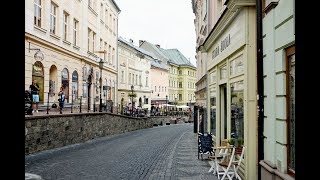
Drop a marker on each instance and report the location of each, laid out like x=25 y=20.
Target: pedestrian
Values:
x=61 y=99
x=35 y=89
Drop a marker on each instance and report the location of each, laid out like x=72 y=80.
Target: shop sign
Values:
x=37 y=70
x=64 y=74
x=223 y=45
x=75 y=76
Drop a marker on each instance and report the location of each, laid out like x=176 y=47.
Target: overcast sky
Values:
x=168 y=23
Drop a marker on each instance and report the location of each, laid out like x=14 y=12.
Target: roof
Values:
x=176 y=57
x=135 y=47
x=115 y=4
x=155 y=61
x=155 y=51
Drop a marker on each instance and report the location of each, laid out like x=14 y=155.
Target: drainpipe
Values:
x=260 y=85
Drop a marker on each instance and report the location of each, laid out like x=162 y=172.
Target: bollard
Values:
x=71 y=102
x=48 y=104
x=80 y=103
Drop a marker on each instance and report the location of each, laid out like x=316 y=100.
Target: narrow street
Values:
x=164 y=152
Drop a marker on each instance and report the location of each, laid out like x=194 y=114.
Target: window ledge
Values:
x=40 y=29
x=76 y=47
x=101 y=21
x=93 y=11
x=54 y=36
x=66 y=42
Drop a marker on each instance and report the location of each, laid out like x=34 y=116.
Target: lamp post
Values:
x=101 y=67
x=132 y=87
x=166 y=105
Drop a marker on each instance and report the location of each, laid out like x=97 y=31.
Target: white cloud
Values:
x=165 y=22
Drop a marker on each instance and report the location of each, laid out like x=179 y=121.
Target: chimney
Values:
x=158 y=46
x=131 y=41
x=140 y=42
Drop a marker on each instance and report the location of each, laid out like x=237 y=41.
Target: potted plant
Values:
x=232 y=141
x=239 y=145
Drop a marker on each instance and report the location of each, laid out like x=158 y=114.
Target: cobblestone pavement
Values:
x=163 y=152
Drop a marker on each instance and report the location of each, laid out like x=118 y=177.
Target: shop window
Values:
x=38 y=74
x=75 y=85
x=65 y=83
x=290 y=69
x=237 y=109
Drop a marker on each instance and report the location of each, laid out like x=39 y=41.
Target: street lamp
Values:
x=132 y=87
x=166 y=105
x=101 y=67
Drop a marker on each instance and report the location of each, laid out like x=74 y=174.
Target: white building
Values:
x=64 y=41
x=134 y=72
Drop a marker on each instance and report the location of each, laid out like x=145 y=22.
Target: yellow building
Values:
x=182 y=78
x=64 y=43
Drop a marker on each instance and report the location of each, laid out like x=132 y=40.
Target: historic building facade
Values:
x=229 y=50
x=278 y=32
x=64 y=43
x=181 y=78
x=134 y=75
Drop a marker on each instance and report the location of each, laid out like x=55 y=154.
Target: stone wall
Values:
x=53 y=131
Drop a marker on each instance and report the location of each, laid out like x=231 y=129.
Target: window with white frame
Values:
x=113 y=56
x=105 y=48
x=89 y=34
x=106 y=17
x=129 y=78
x=93 y=41
x=37 y=13
x=53 y=18
x=65 y=25
x=109 y=54
x=101 y=11
x=75 y=32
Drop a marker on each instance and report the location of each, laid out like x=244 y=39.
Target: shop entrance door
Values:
x=223 y=112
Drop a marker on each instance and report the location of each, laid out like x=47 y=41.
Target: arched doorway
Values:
x=75 y=85
x=38 y=74
x=52 y=83
x=65 y=83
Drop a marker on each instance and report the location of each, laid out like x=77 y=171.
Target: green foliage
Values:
x=240 y=141
x=231 y=141
x=132 y=94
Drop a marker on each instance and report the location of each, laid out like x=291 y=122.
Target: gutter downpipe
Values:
x=260 y=87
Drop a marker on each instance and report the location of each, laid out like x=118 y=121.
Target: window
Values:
x=93 y=41
x=109 y=55
x=65 y=25
x=110 y=23
x=159 y=89
x=122 y=76
x=146 y=81
x=101 y=11
x=37 y=13
x=106 y=17
x=105 y=48
x=162 y=89
x=180 y=97
x=291 y=78
x=129 y=78
x=165 y=89
x=180 y=84
x=237 y=109
x=114 y=24
x=53 y=18
x=155 y=88
x=136 y=79
x=75 y=32
x=89 y=33
x=140 y=82
x=132 y=79
x=113 y=55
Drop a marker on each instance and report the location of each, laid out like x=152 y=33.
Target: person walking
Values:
x=35 y=89
x=61 y=99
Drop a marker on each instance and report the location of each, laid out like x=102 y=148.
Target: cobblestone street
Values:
x=164 y=152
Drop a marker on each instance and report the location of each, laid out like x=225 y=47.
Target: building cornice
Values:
x=204 y=77
x=200 y=90
x=60 y=49
x=226 y=18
